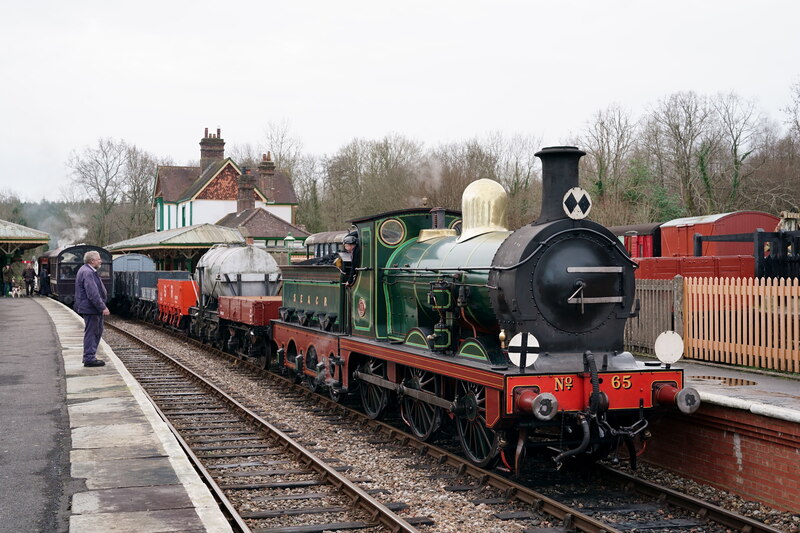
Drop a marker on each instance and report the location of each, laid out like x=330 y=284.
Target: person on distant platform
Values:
x=5 y=280
x=90 y=303
x=44 y=282
x=29 y=276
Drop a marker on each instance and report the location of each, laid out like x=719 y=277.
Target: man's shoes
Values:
x=95 y=362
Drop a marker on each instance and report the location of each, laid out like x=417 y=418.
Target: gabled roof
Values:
x=171 y=182
x=208 y=174
x=197 y=236
x=180 y=184
x=261 y=224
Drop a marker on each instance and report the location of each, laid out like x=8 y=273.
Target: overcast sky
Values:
x=156 y=73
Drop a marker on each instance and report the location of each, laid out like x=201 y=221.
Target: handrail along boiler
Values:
x=517 y=337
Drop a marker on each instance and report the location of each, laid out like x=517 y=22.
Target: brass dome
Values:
x=483 y=208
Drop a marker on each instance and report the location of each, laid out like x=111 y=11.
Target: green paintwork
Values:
x=314 y=288
x=417 y=339
x=370 y=283
x=408 y=289
x=473 y=350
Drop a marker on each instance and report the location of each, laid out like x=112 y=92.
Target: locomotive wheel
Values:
x=374 y=399
x=481 y=445
x=262 y=360
x=422 y=418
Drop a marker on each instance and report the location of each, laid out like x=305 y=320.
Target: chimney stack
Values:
x=266 y=174
x=245 y=199
x=212 y=148
x=559 y=174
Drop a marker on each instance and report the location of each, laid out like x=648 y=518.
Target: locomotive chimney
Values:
x=559 y=174
x=212 y=148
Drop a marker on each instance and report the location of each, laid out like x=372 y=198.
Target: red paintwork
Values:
x=327 y=343
x=639 y=245
x=500 y=388
x=250 y=310
x=734 y=266
x=574 y=396
x=175 y=297
x=678 y=241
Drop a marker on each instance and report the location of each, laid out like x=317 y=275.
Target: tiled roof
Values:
x=172 y=181
x=284 y=192
x=261 y=224
x=197 y=236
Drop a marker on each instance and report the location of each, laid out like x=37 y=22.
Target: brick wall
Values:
x=750 y=455
x=224 y=187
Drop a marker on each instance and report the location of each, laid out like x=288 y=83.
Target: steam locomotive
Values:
x=514 y=337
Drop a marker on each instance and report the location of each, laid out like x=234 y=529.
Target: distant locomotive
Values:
x=63 y=264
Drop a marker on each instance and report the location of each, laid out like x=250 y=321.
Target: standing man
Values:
x=29 y=275
x=5 y=280
x=90 y=303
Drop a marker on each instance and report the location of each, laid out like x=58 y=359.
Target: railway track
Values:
x=515 y=501
x=236 y=450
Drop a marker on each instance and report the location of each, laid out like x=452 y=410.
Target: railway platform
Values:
x=744 y=438
x=82 y=449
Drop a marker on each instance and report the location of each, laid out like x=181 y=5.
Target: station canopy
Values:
x=16 y=238
x=185 y=241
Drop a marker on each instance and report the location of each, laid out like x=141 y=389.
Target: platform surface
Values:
x=82 y=449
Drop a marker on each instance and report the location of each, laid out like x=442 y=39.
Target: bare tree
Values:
x=11 y=207
x=451 y=167
x=608 y=140
x=682 y=120
x=793 y=110
x=518 y=171
x=740 y=123
x=137 y=192
x=287 y=150
x=245 y=155
x=366 y=177
x=309 y=176
x=100 y=171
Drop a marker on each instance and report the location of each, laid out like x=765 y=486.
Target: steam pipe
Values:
x=581 y=447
